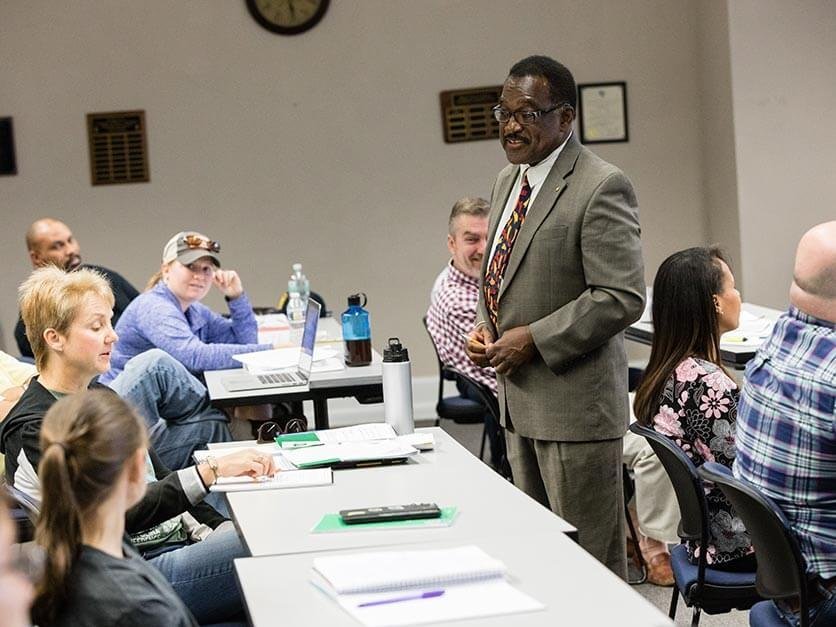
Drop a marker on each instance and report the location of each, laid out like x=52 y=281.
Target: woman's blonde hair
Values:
x=86 y=441
x=157 y=277
x=50 y=299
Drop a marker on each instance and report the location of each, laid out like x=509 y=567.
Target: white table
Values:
x=280 y=521
x=575 y=588
x=362 y=382
x=733 y=354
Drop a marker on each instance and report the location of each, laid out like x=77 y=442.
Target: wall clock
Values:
x=288 y=17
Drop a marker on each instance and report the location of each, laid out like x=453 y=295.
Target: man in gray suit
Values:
x=562 y=280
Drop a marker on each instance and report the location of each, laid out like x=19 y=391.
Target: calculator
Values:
x=390 y=512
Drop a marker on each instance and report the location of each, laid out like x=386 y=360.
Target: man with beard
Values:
x=562 y=279
x=453 y=301
x=50 y=241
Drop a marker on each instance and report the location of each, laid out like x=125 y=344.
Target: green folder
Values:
x=289 y=440
x=333 y=522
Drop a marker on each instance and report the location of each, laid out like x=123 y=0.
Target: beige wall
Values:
x=783 y=56
x=327 y=147
x=719 y=169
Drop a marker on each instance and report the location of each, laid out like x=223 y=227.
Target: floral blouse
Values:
x=698 y=410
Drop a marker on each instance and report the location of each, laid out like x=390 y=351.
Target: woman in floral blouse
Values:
x=686 y=393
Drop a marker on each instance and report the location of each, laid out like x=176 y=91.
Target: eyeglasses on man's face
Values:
x=524 y=118
x=196 y=241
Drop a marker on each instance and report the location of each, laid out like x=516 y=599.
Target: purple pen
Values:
x=412 y=597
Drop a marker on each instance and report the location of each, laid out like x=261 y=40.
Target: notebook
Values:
x=287 y=378
x=422 y=586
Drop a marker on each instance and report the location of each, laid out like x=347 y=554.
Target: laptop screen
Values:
x=309 y=338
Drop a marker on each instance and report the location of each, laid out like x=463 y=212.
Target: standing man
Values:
x=452 y=311
x=786 y=419
x=562 y=280
x=50 y=241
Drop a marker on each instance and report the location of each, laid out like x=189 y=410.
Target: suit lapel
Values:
x=552 y=187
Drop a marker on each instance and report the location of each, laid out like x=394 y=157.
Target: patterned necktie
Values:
x=496 y=269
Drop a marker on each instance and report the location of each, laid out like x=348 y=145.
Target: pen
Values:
x=411 y=597
x=734 y=340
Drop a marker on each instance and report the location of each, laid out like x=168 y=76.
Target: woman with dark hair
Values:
x=95 y=456
x=686 y=394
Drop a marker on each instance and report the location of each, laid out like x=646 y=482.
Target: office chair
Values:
x=629 y=491
x=456 y=408
x=24 y=512
x=701 y=587
x=782 y=570
x=490 y=401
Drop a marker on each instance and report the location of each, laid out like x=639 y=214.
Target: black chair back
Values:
x=24 y=511
x=486 y=395
x=782 y=570
x=457 y=409
x=686 y=482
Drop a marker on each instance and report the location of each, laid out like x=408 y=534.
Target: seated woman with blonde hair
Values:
x=92 y=471
x=67 y=317
x=170 y=316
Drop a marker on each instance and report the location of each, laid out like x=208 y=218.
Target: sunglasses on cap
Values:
x=191 y=241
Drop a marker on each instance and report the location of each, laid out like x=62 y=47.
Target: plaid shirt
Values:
x=453 y=312
x=786 y=431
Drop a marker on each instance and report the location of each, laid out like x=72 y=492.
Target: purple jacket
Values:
x=199 y=338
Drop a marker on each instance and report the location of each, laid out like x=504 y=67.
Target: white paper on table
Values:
x=467 y=600
x=751 y=330
x=357 y=433
x=281 y=358
x=349 y=452
x=295 y=479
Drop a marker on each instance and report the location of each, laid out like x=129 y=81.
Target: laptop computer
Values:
x=283 y=378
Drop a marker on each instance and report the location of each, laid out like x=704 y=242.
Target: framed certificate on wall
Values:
x=602 y=109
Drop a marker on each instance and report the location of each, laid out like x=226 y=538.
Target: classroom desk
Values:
x=280 y=521
x=575 y=588
x=735 y=355
x=360 y=382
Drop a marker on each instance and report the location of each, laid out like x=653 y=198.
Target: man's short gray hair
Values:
x=469 y=207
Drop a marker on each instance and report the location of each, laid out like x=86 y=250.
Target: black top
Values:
x=164 y=498
x=123 y=293
x=105 y=590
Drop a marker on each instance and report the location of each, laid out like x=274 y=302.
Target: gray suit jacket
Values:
x=576 y=277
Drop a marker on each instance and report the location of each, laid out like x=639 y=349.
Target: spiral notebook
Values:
x=422 y=586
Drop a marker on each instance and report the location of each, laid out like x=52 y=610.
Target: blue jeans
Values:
x=202 y=574
x=174 y=404
x=821 y=615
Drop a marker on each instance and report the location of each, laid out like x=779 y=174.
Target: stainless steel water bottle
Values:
x=397 y=388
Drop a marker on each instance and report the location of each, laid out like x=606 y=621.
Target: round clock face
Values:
x=287 y=17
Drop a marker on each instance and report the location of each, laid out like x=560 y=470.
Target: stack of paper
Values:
x=357 y=433
x=282 y=479
x=751 y=331
x=325 y=359
x=273 y=329
x=348 y=453
x=413 y=587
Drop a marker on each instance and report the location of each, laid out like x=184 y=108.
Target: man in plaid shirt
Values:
x=452 y=311
x=786 y=425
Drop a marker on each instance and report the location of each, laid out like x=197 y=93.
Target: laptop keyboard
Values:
x=278 y=377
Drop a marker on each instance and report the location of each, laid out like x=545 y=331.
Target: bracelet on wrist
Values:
x=213 y=466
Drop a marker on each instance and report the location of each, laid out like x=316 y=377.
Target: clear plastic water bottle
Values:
x=357 y=333
x=303 y=286
x=297 y=298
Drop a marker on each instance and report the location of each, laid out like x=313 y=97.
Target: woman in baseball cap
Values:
x=170 y=316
